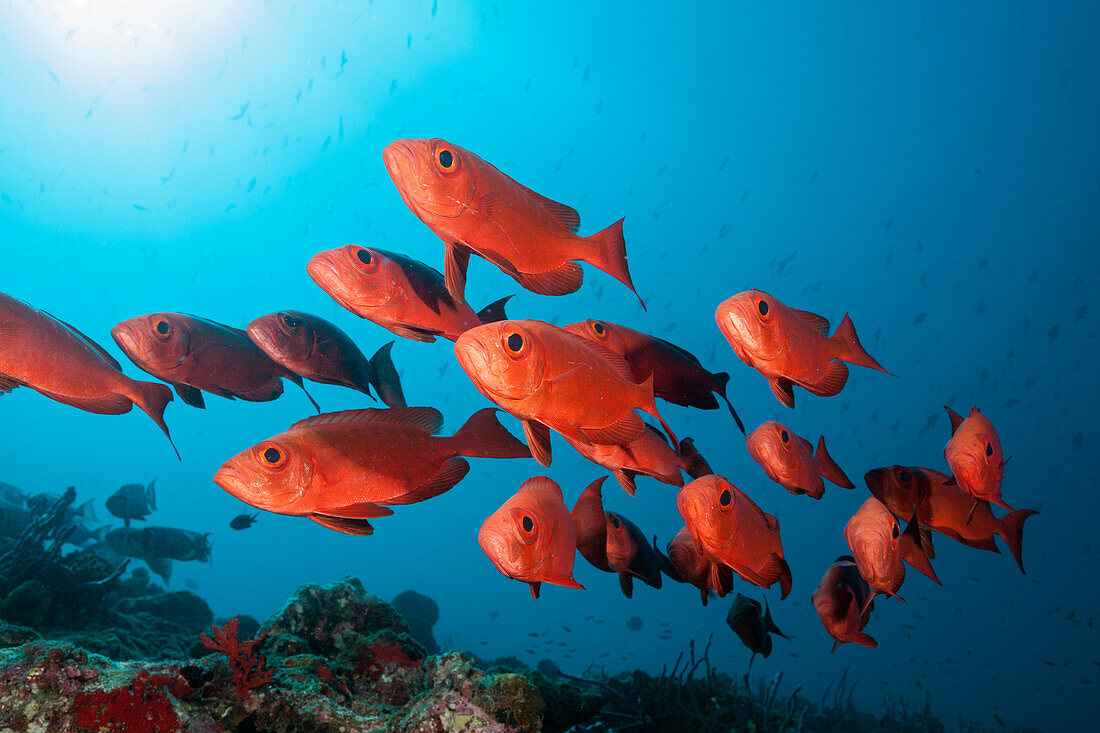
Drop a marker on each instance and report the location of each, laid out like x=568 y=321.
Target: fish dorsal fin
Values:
x=425 y=419
x=567 y=216
x=956 y=419
x=819 y=323
x=679 y=351
x=542 y=483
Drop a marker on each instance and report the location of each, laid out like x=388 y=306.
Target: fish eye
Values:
x=725 y=499
x=904 y=476
x=162 y=327
x=446 y=158
x=272 y=455
x=527 y=524
x=515 y=342
x=784 y=437
x=988 y=450
x=290 y=321
x=364 y=256
x=615 y=522
x=762 y=307
x=599 y=328
x=367 y=262
x=896 y=531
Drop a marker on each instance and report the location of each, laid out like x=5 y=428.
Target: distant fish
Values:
x=133 y=501
x=631 y=555
x=753 y=625
x=975 y=457
x=243 y=521
x=791 y=462
x=241 y=114
x=693 y=566
x=634 y=623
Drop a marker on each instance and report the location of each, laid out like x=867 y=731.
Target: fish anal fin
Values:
x=621 y=432
x=358 y=510
x=359 y=527
x=562 y=280
x=865 y=640
x=8 y=383
x=536 y=588
x=412 y=333
x=626 y=584
x=832 y=381
x=626 y=480
x=450 y=473
x=108 y=404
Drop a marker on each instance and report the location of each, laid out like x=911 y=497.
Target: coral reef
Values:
x=249 y=666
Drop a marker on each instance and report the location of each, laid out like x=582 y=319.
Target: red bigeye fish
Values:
x=678 y=377
x=791 y=347
x=196 y=355
x=975 y=458
x=631 y=555
x=696 y=568
x=551 y=379
x=531 y=538
x=58 y=361
x=790 y=460
x=753 y=625
x=731 y=529
x=398 y=293
x=901 y=490
x=880 y=547
x=591 y=525
x=842 y=602
x=648 y=455
x=314 y=349
x=342 y=468
x=476 y=209
x=946 y=508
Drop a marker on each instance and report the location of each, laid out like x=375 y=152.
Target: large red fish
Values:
x=58 y=361
x=196 y=355
x=696 y=568
x=591 y=523
x=730 y=528
x=476 y=209
x=631 y=555
x=551 y=379
x=842 y=602
x=647 y=455
x=342 y=468
x=791 y=347
x=946 y=508
x=881 y=548
x=790 y=460
x=315 y=349
x=975 y=457
x=677 y=375
x=531 y=538
x=400 y=294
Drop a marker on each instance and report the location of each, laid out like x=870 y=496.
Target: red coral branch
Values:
x=249 y=666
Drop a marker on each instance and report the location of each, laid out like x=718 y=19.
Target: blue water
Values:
x=887 y=162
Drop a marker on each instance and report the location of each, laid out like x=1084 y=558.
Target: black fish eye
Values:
x=988 y=449
x=783 y=435
x=615 y=522
x=446 y=159
x=364 y=256
x=271 y=455
x=598 y=328
x=904 y=476
x=528 y=525
x=896 y=532
x=762 y=306
x=162 y=327
x=725 y=497
x=290 y=321
x=515 y=342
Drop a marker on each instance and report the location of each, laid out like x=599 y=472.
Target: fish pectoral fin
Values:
x=775 y=569
x=865 y=639
x=360 y=527
x=562 y=280
x=834 y=379
x=783 y=390
x=626 y=480
x=450 y=473
x=621 y=432
x=359 y=510
x=538 y=440
x=456 y=260
x=190 y=395
x=566 y=581
x=626 y=583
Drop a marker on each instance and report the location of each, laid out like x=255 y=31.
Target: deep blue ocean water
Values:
x=931 y=170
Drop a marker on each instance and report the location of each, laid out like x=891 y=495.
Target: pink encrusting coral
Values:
x=249 y=666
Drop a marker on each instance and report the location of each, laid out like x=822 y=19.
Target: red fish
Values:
x=551 y=379
x=195 y=355
x=342 y=468
x=648 y=455
x=58 y=361
x=696 y=568
x=631 y=555
x=731 y=529
x=881 y=548
x=900 y=489
x=791 y=347
x=314 y=349
x=946 y=508
x=476 y=209
x=591 y=525
x=400 y=294
x=678 y=377
x=531 y=538
x=842 y=603
x=975 y=457
x=790 y=460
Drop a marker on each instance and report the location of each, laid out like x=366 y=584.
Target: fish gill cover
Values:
x=801 y=197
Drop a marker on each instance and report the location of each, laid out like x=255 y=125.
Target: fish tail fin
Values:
x=297 y=379
x=608 y=253
x=484 y=437
x=723 y=378
x=87 y=512
x=651 y=409
x=1012 y=532
x=836 y=645
x=100 y=535
x=153 y=398
x=827 y=467
x=851 y=350
x=151 y=494
x=386 y=381
x=494 y=312
x=865 y=640
x=769 y=624
x=695 y=465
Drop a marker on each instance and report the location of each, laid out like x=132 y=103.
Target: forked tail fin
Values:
x=851 y=350
x=153 y=398
x=608 y=253
x=827 y=467
x=1012 y=532
x=484 y=437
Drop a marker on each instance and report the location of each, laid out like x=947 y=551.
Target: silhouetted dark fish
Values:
x=753 y=625
x=243 y=521
x=133 y=501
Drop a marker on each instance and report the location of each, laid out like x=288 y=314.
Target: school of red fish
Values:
x=589 y=382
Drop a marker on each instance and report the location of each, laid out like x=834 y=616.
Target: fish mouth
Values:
x=500 y=552
x=230 y=478
x=403 y=165
x=263 y=335
x=473 y=357
x=322 y=269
